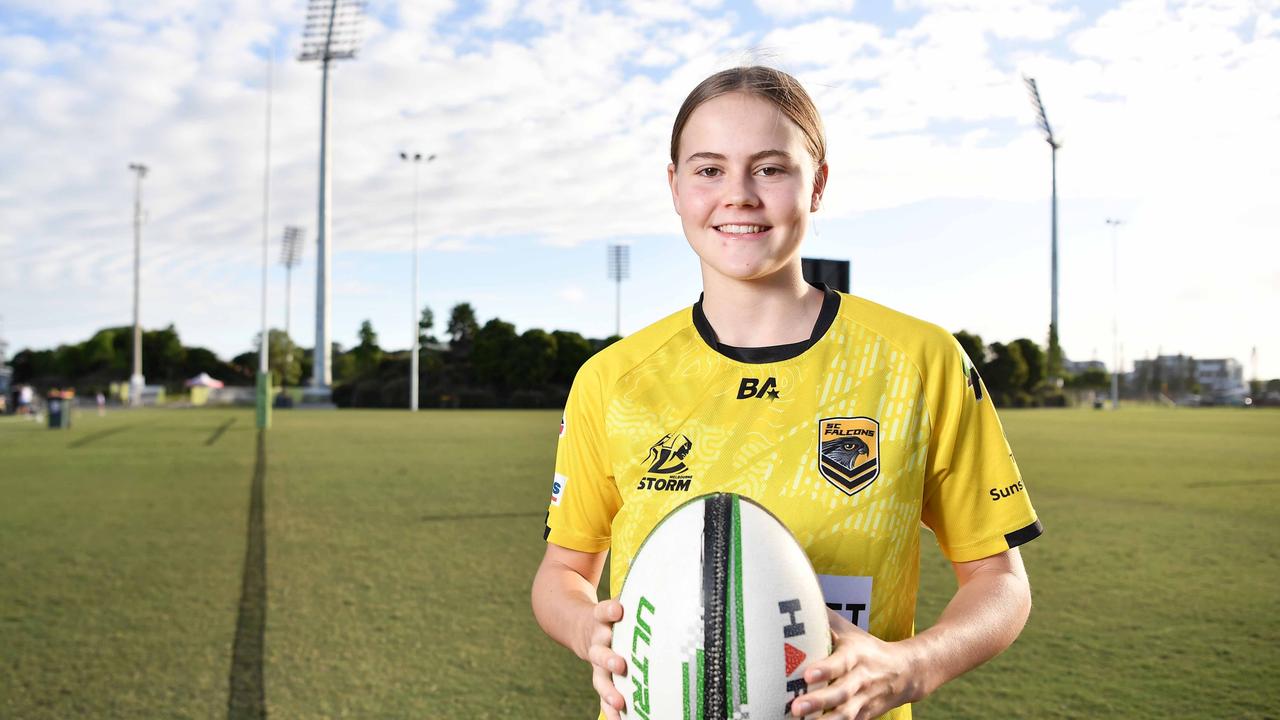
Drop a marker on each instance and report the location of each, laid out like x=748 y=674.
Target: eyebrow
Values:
x=755 y=157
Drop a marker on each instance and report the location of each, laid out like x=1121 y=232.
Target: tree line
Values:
x=471 y=365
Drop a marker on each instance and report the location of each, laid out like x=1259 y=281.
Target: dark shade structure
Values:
x=835 y=273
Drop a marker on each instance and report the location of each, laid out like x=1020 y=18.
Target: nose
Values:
x=741 y=191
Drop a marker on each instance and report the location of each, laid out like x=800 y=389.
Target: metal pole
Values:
x=136 y=381
x=1115 y=315
x=617 y=307
x=1054 y=349
x=322 y=372
x=263 y=414
x=413 y=369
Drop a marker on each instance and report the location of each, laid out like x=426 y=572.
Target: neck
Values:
x=776 y=310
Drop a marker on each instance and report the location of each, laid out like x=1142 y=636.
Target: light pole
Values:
x=290 y=258
x=263 y=394
x=416 y=158
x=1115 y=322
x=619 y=270
x=1055 y=352
x=332 y=33
x=136 y=381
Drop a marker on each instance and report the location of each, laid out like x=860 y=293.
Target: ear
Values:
x=819 y=187
x=671 y=180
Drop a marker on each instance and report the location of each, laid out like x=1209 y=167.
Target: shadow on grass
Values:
x=247 y=700
x=94 y=437
x=217 y=434
x=480 y=516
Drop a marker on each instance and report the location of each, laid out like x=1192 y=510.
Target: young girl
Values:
x=852 y=423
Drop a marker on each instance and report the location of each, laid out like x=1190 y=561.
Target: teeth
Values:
x=741 y=229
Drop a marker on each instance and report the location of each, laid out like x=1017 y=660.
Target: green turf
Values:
x=399 y=551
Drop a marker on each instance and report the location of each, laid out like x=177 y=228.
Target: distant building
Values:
x=1188 y=380
x=6 y=373
x=1221 y=380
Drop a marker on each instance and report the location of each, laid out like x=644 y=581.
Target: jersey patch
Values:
x=850 y=596
x=849 y=452
x=557 y=488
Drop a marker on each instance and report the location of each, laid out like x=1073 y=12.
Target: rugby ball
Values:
x=722 y=614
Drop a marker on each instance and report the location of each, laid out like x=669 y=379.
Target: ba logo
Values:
x=666 y=457
x=751 y=388
x=849 y=452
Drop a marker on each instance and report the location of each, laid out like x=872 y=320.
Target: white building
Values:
x=1221 y=380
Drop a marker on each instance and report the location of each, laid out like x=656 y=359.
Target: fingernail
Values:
x=801 y=708
x=816 y=675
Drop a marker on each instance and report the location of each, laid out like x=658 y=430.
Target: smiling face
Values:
x=744 y=186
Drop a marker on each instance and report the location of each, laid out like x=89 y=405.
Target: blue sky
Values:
x=550 y=120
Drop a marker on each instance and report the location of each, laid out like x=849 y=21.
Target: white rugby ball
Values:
x=722 y=614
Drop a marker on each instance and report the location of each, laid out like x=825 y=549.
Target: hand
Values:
x=605 y=663
x=866 y=676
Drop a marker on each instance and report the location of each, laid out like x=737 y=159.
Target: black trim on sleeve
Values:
x=771 y=353
x=1025 y=535
x=547 y=523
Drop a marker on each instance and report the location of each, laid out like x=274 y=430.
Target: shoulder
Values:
x=924 y=343
x=605 y=367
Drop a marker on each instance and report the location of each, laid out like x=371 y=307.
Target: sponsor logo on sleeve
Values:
x=999 y=493
x=849 y=452
x=557 y=488
x=561 y=426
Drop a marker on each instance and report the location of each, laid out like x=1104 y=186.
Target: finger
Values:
x=603 y=657
x=837 y=695
x=608 y=611
x=609 y=712
x=604 y=687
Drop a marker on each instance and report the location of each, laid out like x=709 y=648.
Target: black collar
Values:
x=772 y=353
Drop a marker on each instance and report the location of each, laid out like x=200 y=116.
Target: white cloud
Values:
x=792 y=9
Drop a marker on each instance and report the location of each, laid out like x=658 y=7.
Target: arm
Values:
x=868 y=676
x=564 y=603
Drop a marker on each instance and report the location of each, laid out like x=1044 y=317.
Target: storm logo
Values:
x=849 y=452
x=666 y=457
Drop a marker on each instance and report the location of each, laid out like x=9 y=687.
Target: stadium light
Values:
x=1115 y=323
x=290 y=258
x=416 y=159
x=332 y=32
x=619 y=270
x=136 y=381
x=1055 y=352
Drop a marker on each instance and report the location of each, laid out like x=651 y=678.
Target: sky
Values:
x=550 y=122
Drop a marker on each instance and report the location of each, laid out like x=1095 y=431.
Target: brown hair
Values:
x=776 y=86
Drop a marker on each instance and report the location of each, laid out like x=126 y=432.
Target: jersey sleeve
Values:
x=975 y=501
x=584 y=498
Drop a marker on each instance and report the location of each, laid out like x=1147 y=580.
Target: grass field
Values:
x=385 y=572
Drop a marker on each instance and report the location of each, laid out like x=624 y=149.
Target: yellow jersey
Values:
x=853 y=439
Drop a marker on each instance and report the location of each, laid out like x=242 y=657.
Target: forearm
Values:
x=562 y=603
x=984 y=617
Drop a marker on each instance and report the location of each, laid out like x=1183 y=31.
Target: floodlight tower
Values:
x=290 y=258
x=416 y=158
x=1115 y=323
x=1055 y=352
x=332 y=33
x=136 y=381
x=619 y=270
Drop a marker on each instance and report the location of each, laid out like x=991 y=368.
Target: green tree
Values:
x=1006 y=374
x=367 y=354
x=972 y=346
x=1091 y=379
x=493 y=351
x=572 y=350
x=425 y=322
x=463 y=327
x=163 y=356
x=1036 y=361
x=535 y=360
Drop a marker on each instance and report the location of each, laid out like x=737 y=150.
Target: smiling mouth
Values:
x=741 y=229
